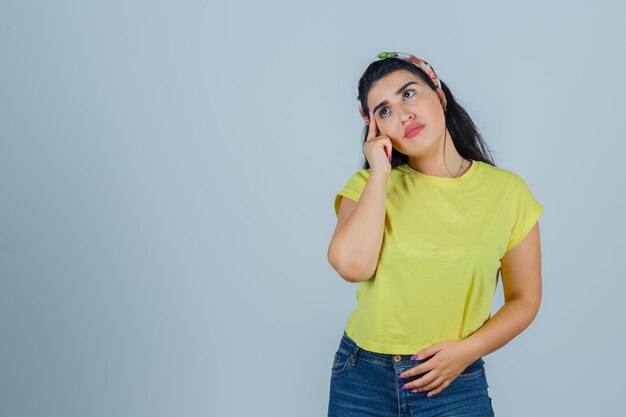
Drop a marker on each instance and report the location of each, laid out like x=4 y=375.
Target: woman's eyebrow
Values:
x=382 y=103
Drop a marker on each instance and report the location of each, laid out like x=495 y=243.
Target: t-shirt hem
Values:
x=345 y=193
x=385 y=348
x=350 y=194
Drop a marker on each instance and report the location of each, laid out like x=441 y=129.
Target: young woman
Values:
x=424 y=228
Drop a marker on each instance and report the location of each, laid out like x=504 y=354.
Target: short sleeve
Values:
x=526 y=211
x=353 y=188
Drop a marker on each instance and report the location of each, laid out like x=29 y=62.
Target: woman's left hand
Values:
x=451 y=358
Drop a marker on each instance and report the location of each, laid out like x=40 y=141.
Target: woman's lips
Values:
x=413 y=129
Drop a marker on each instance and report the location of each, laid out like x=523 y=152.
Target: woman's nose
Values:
x=407 y=115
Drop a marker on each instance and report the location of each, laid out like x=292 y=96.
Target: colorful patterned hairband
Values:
x=424 y=66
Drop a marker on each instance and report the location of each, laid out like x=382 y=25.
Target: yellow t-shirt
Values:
x=438 y=265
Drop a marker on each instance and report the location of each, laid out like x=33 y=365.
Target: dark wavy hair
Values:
x=465 y=135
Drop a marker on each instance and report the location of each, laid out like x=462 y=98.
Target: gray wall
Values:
x=167 y=173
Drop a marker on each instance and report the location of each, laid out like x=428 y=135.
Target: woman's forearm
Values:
x=510 y=320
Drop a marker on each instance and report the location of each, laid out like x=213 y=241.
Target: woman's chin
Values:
x=418 y=150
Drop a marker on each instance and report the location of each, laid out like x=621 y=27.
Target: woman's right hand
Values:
x=377 y=148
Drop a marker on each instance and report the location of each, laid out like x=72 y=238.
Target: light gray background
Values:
x=167 y=173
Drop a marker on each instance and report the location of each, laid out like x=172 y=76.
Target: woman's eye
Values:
x=381 y=112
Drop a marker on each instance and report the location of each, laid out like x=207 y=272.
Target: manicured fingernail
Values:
x=404 y=387
x=414 y=357
x=429 y=395
x=400 y=377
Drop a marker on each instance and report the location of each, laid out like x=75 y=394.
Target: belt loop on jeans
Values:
x=355 y=354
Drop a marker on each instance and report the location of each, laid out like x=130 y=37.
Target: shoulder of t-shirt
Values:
x=363 y=173
x=502 y=176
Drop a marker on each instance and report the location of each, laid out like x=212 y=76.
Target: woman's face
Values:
x=401 y=99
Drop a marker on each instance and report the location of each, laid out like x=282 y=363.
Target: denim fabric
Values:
x=364 y=383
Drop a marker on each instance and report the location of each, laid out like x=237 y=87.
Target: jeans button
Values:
x=397 y=358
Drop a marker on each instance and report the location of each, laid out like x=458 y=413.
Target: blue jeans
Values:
x=364 y=383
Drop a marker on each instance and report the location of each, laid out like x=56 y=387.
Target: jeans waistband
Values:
x=349 y=346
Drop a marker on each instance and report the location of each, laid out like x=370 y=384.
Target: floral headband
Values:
x=424 y=66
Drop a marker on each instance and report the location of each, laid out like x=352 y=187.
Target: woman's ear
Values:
x=442 y=99
x=366 y=119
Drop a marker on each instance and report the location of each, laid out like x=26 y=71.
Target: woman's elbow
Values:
x=347 y=270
